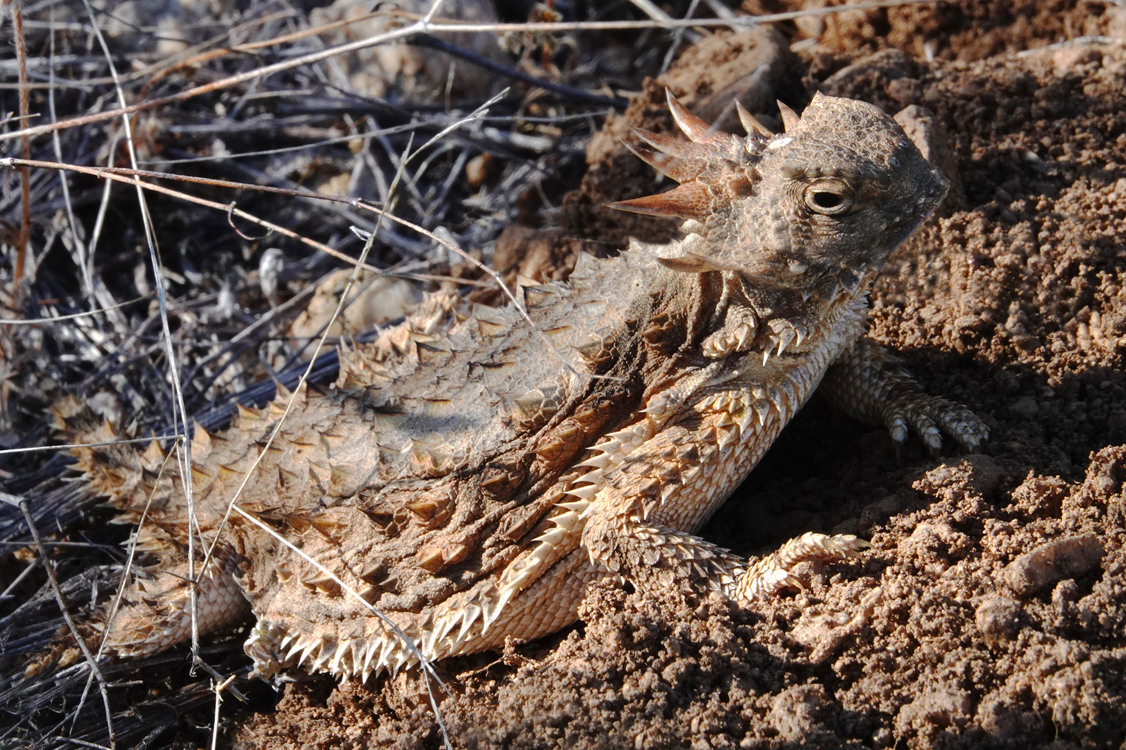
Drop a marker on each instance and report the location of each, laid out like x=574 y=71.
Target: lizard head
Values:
x=827 y=200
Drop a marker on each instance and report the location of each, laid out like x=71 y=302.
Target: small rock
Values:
x=1043 y=567
x=998 y=618
x=1069 y=58
x=922 y=127
x=478 y=169
x=883 y=67
x=939 y=707
x=974 y=475
x=412 y=73
x=1025 y=407
x=796 y=713
x=1041 y=496
x=1065 y=594
x=371 y=303
x=906 y=91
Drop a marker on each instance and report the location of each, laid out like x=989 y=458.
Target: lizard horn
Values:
x=692 y=200
x=790 y=118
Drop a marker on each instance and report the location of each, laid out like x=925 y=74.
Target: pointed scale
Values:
x=722 y=145
x=790 y=118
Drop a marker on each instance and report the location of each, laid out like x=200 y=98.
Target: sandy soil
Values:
x=991 y=609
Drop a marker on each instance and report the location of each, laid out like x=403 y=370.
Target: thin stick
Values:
x=425 y=40
x=68 y=446
x=7 y=593
x=218 y=687
x=75 y=316
x=183 y=447
x=123 y=175
x=25 y=147
x=127 y=569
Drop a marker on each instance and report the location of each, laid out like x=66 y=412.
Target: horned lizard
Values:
x=474 y=470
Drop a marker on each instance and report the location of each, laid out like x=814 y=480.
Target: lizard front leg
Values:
x=639 y=522
x=868 y=384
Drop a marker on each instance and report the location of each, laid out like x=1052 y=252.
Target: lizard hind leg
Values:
x=629 y=532
x=156 y=614
x=659 y=558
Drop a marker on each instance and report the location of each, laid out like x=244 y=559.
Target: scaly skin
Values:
x=470 y=474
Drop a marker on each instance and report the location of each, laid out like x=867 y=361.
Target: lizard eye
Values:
x=829 y=197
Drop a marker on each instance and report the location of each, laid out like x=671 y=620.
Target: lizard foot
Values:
x=930 y=416
x=773 y=573
x=868 y=383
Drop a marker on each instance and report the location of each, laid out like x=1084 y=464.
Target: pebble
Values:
x=1050 y=563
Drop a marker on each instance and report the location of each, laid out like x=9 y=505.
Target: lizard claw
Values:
x=929 y=417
